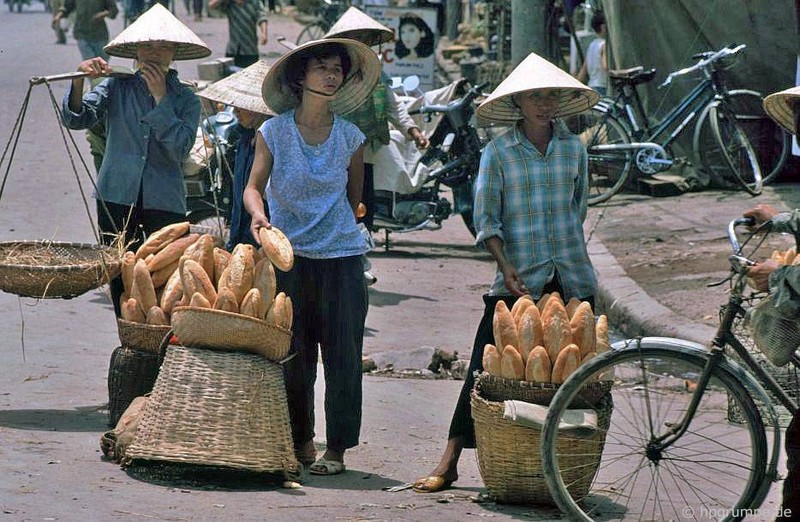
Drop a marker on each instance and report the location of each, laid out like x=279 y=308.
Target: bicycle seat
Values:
x=632 y=76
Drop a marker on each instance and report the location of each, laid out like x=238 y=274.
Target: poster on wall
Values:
x=412 y=50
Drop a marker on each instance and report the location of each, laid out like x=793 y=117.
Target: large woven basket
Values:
x=50 y=269
x=215 y=408
x=220 y=330
x=131 y=373
x=145 y=337
x=509 y=455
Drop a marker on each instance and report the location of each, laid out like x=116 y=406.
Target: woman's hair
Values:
x=296 y=68
x=598 y=20
x=425 y=45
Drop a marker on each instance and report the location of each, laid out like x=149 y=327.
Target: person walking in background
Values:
x=242 y=91
x=309 y=164
x=245 y=17
x=151 y=124
x=783 y=284
x=90 y=30
x=595 y=65
x=59 y=24
x=531 y=199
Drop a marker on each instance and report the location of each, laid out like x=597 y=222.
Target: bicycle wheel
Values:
x=736 y=148
x=313 y=31
x=714 y=468
x=608 y=169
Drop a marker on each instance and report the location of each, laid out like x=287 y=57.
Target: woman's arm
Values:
x=256 y=183
x=355 y=178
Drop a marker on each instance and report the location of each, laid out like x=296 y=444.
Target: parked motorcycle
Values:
x=412 y=199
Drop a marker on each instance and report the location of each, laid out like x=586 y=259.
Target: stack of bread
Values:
x=544 y=341
x=787 y=257
x=174 y=267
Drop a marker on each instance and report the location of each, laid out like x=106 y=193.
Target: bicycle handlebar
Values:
x=722 y=53
x=471 y=94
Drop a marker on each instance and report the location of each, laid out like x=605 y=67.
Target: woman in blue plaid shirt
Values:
x=530 y=204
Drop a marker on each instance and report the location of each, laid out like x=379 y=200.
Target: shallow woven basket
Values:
x=220 y=330
x=218 y=409
x=71 y=269
x=509 y=455
x=145 y=337
x=498 y=389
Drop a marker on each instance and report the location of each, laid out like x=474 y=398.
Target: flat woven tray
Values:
x=50 y=269
x=218 y=409
x=220 y=330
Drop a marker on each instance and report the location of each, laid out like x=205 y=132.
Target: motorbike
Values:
x=412 y=198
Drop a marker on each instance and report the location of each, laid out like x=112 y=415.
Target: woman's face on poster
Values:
x=410 y=35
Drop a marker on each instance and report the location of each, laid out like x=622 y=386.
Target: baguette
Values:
x=264 y=280
x=512 y=366
x=252 y=304
x=583 y=328
x=198 y=300
x=221 y=259
x=171 y=253
x=203 y=253
x=195 y=279
x=601 y=335
x=173 y=291
x=161 y=238
x=238 y=276
x=504 y=328
x=289 y=312
x=520 y=305
x=556 y=329
x=542 y=302
x=128 y=262
x=143 y=290
x=162 y=275
x=226 y=301
x=530 y=331
x=131 y=311
x=492 y=360
x=571 y=306
x=538 y=367
x=567 y=362
x=277 y=312
x=277 y=248
x=156 y=316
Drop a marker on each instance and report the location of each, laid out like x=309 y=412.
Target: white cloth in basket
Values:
x=579 y=423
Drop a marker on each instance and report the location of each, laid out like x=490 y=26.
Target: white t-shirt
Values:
x=598 y=77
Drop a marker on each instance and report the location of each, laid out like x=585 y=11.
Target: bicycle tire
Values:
x=726 y=483
x=313 y=31
x=770 y=141
x=737 y=149
x=608 y=170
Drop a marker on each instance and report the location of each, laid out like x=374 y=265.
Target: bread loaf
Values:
x=221 y=259
x=162 y=275
x=173 y=291
x=131 y=311
x=289 y=311
x=556 y=330
x=530 y=331
x=492 y=360
x=512 y=366
x=583 y=328
x=161 y=238
x=143 y=290
x=252 y=305
x=194 y=279
x=504 y=328
x=277 y=248
x=264 y=280
x=601 y=335
x=520 y=305
x=128 y=262
x=571 y=306
x=277 y=313
x=156 y=316
x=567 y=362
x=537 y=365
x=542 y=302
x=238 y=276
x=788 y=257
x=171 y=253
x=203 y=253
x=199 y=301
x=226 y=301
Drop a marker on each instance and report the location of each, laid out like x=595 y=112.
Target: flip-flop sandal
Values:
x=432 y=484
x=326 y=467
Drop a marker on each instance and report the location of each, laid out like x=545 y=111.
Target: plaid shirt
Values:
x=536 y=205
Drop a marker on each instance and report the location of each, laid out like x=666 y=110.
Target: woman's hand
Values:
x=94 y=67
x=512 y=280
x=156 y=80
x=420 y=140
x=761 y=213
x=259 y=221
x=759 y=273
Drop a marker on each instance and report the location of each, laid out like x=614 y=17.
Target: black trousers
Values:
x=136 y=223
x=368 y=195
x=329 y=299
x=462 y=425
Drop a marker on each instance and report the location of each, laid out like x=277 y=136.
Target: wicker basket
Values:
x=509 y=455
x=68 y=269
x=220 y=330
x=215 y=408
x=145 y=337
x=131 y=373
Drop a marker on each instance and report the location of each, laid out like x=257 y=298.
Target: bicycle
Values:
x=618 y=135
x=670 y=450
x=324 y=17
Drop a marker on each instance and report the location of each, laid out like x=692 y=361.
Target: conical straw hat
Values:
x=533 y=73
x=157 y=24
x=358 y=25
x=779 y=107
x=364 y=73
x=241 y=90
